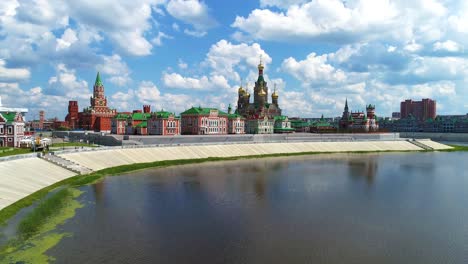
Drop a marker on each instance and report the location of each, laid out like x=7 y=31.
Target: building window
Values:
x=10 y=130
x=10 y=139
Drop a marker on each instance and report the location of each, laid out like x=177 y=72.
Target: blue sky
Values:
x=174 y=54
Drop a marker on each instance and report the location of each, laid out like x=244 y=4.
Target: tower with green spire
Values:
x=98 y=100
x=98 y=81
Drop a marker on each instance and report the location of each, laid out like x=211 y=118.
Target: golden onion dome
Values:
x=261 y=92
x=246 y=94
x=241 y=90
x=274 y=95
x=260 y=66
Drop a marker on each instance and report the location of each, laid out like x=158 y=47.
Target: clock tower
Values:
x=98 y=100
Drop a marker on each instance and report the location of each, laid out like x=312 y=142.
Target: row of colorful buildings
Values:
x=195 y=121
x=257 y=116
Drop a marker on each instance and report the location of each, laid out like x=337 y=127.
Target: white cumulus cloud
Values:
x=8 y=74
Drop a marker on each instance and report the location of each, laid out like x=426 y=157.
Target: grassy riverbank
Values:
x=72 y=144
x=456 y=148
x=13 y=151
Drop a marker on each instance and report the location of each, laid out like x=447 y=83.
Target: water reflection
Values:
x=98 y=189
x=260 y=186
x=363 y=168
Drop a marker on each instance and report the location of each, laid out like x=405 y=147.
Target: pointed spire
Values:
x=98 y=81
x=346 y=105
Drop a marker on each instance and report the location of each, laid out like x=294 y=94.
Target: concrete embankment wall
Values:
x=454 y=137
x=97 y=160
x=91 y=137
x=116 y=140
x=22 y=177
x=261 y=138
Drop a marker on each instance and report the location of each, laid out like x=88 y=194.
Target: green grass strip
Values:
x=71 y=144
x=456 y=148
x=14 y=151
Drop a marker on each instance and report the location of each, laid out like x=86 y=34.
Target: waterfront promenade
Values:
x=21 y=177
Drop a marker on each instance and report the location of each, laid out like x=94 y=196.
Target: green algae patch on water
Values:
x=33 y=248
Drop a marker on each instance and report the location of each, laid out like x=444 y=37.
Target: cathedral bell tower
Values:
x=260 y=98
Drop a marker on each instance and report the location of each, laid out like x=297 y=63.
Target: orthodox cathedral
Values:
x=260 y=107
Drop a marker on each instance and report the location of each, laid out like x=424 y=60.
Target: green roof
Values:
x=235 y=116
x=280 y=117
x=139 y=116
x=121 y=116
x=299 y=123
x=9 y=116
x=142 y=124
x=322 y=124
x=98 y=81
x=201 y=111
x=164 y=114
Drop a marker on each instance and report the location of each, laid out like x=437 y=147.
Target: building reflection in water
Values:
x=364 y=167
x=99 y=190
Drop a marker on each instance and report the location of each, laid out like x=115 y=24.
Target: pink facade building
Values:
x=204 y=121
x=164 y=123
x=236 y=123
x=11 y=129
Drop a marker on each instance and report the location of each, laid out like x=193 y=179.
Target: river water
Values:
x=339 y=208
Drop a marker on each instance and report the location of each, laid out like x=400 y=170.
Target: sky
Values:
x=175 y=54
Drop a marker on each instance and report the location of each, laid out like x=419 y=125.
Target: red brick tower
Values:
x=41 y=119
x=72 y=116
x=146 y=109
